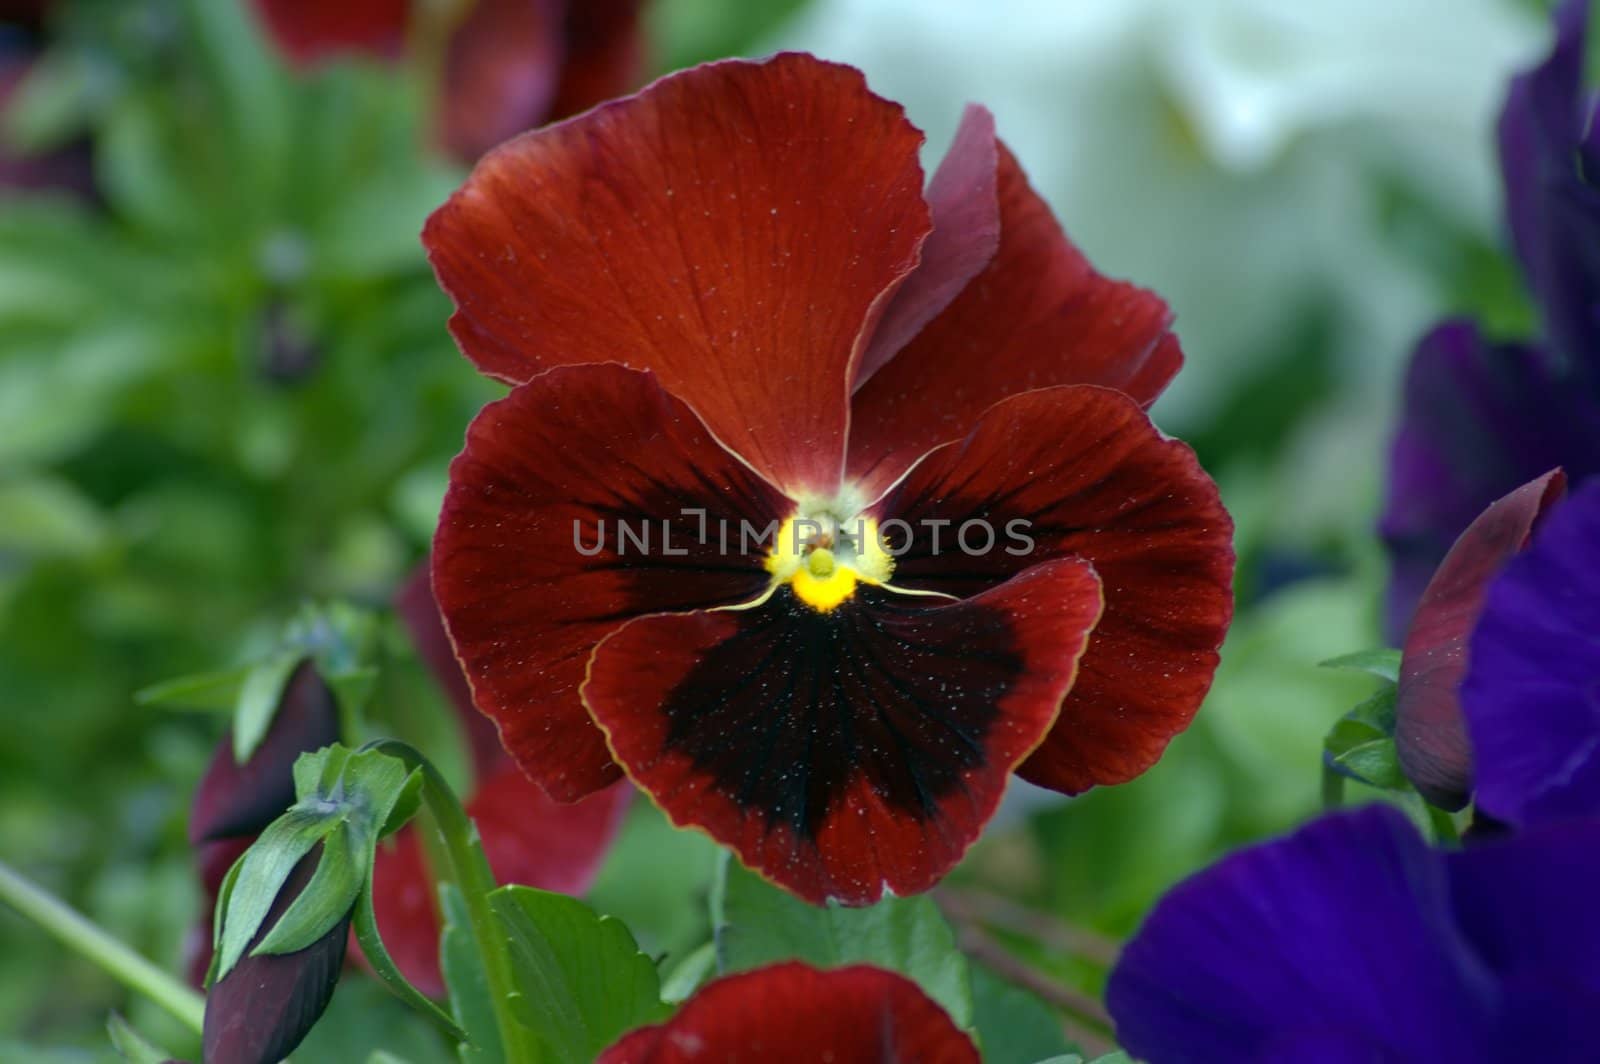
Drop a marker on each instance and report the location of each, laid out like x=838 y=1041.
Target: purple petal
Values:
x=1478 y=420
x=1532 y=692
x=1338 y=933
x=235 y=799
x=1546 y=137
x=1527 y=905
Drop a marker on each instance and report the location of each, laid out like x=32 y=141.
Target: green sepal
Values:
x=259 y=697
x=1361 y=745
x=327 y=898
x=1377 y=764
x=255 y=880
x=581 y=980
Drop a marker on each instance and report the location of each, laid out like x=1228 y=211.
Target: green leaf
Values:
x=1066 y=1058
x=201 y=690
x=259 y=696
x=582 y=980
x=384 y=967
x=467 y=982
x=1014 y=1026
x=1383 y=663
x=757 y=924
x=44 y=517
x=1377 y=712
x=689 y=974
x=1119 y=1057
x=131 y=1046
x=250 y=87
x=140 y=168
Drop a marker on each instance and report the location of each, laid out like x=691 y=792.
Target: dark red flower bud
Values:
x=235 y=799
x=1430 y=732
x=262 y=1009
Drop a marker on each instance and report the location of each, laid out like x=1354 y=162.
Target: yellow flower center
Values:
x=822 y=558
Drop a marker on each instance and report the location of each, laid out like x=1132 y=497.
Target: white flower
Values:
x=1223 y=152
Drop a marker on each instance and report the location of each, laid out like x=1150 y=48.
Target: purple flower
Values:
x=1352 y=940
x=1481 y=417
x=1531 y=696
x=1550 y=156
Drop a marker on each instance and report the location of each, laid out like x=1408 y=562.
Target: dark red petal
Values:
x=1430 y=732
x=576 y=450
x=311 y=30
x=735 y=228
x=262 y=1009
x=420 y=614
x=28 y=13
x=528 y=837
x=235 y=799
x=840 y=753
x=1096 y=480
x=605 y=54
x=966 y=233
x=500 y=73
x=1038 y=315
x=794 y=1013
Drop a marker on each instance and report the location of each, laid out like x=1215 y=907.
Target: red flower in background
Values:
x=728 y=301
x=792 y=1012
x=528 y=838
x=510 y=65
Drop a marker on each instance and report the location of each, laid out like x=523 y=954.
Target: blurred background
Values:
x=226 y=388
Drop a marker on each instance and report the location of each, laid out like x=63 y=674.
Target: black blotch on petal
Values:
x=786 y=717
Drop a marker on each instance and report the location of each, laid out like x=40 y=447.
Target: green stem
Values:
x=470 y=872
x=93 y=942
x=1332 y=788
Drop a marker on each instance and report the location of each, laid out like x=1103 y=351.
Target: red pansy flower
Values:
x=730 y=308
x=510 y=65
x=792 y=1012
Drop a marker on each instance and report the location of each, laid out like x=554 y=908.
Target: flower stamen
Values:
x=823 y=557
